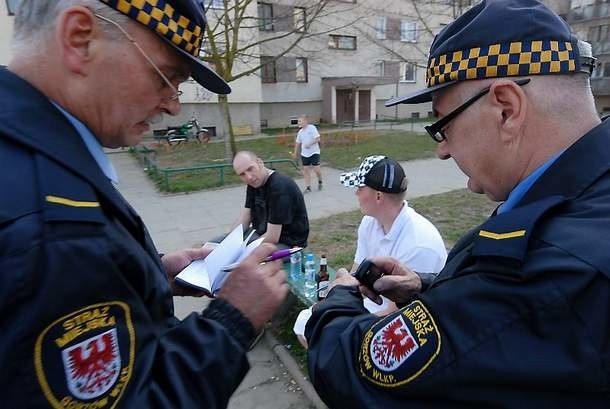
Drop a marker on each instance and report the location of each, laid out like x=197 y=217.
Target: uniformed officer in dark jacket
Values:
x=87 y=315
x=520 y=315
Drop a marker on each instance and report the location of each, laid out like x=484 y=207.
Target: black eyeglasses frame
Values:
x=436 y=130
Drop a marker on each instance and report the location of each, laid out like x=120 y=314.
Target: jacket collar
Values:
x=30 y=119
x=576 y=169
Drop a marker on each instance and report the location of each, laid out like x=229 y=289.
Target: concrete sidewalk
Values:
x=185 y=220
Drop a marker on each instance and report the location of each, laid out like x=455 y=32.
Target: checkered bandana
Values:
x=162 y=18
x=356 y=179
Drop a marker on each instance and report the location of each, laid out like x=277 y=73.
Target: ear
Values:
x=74 y=34
x=511 y=103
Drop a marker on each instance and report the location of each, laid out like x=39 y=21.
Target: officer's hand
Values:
x=254 y=289
x=399 y=284
x=343 y=277
x=176 y=261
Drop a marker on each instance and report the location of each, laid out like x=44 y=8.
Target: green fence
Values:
x=147 y=158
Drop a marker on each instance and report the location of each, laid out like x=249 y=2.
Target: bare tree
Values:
x=429 y=16
x=242 y=31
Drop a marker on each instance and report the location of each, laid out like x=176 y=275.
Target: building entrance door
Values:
x=345 y=105
x=364 y=105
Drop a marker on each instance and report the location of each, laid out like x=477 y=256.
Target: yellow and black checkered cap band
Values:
x=519 y=58
x=165 y=20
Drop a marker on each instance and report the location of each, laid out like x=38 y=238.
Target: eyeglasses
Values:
x=436 y=130
x=176 y=91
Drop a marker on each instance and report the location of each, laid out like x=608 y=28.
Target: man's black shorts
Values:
x=313 y=160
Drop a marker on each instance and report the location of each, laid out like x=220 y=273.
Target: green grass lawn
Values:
x=453 y=213
x=340 y=149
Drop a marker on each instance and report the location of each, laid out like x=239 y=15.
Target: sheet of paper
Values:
x=204 y=273
x=250 y=248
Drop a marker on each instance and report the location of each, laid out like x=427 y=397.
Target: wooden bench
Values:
x=241 y=130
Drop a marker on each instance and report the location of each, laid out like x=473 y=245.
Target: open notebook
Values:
x=208 y=274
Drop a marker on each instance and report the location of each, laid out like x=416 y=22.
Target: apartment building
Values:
x=363 y=53
x=591 y=21
x=352 y=56
x=7 y=9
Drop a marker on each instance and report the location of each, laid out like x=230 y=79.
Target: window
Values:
x=301 y=69
x=598 y=71
x=299 y=19
x=11 y=6
x=380 y=68
x=407 y=72
x=380 y=27
x=408 y=31
x=265 y=17
x=216 y=4
x=599 y=33
x=342 y=42
x=268 y=74
x=606 y=72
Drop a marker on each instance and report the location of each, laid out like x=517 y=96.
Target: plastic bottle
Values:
x=310 y=285
x=294 y=275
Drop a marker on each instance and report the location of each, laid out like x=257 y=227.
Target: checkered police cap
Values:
x=377 y=172
x=181 y=24
x=501 y=38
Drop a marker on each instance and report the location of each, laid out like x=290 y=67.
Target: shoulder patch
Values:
x=508 y=234
x=86 y=358
x=397 y=349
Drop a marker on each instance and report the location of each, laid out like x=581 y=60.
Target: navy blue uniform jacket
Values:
x=518 y=318
x=86 y=312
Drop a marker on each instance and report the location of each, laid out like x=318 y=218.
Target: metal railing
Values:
x=167 y=172
x=147 y=157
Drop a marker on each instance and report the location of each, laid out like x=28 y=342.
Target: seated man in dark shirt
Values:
x=274 y=205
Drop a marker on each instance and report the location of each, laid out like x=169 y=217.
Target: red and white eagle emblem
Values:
x=92 y=366
x=392 y=345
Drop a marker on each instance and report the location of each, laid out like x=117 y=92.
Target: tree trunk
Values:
x=230 y=147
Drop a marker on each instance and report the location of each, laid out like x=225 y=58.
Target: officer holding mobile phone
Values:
x=519 y=317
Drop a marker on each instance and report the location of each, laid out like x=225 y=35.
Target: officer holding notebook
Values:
x=520 y=315
x=87 y=313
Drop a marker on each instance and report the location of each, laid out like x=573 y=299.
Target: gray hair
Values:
x=34 y=19
x=563 y=97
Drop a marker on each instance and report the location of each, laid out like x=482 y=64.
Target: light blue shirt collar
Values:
x=522 y=187
x=93 y=145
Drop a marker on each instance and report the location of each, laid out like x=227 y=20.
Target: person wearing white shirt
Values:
x=389 y=228
x=308 y=142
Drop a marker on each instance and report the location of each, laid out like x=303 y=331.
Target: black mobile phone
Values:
x=367 y=273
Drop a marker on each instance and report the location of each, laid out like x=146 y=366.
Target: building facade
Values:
x=360 y=54
x=352 y=56
x=591 y=21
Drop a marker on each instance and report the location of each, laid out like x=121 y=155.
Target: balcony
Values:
x=600 y=47
x=590 y=12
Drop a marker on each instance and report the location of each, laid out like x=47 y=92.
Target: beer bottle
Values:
x=323 y=280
